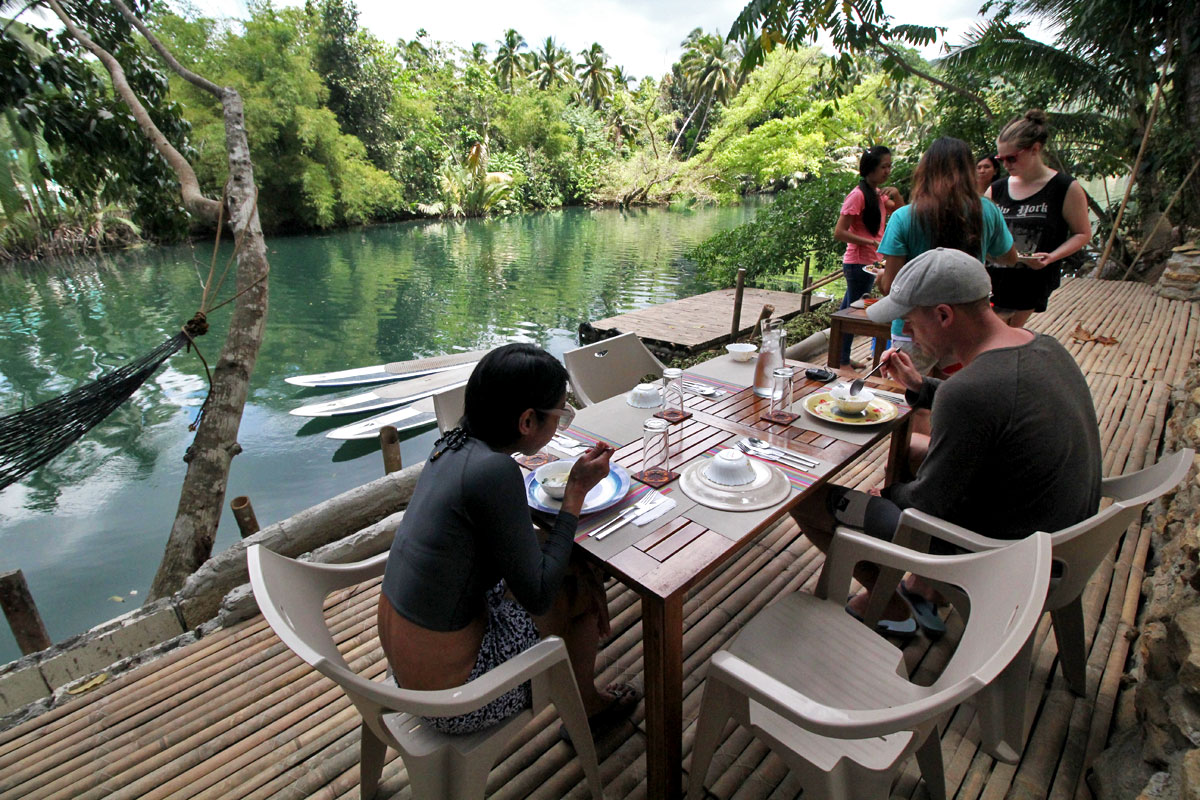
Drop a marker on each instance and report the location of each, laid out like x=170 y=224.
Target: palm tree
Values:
x=553 y=66
x=478 y=53
x=622 y=78
x=713 y=68
x=508 y=61
x=595 y=81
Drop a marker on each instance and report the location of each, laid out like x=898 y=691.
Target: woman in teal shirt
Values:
x=945 y=211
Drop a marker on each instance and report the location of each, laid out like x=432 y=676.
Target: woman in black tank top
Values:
x=1046 y=211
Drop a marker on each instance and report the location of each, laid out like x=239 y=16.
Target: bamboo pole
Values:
x=806 y=295
x=243 y=512
x=22 y=614
x=1137 y=162
x=738 y=291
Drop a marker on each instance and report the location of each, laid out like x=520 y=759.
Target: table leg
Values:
x=834 y=358
x=897 y=463
x=662 y=631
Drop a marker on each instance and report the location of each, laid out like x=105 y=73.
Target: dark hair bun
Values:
x=1036 y=116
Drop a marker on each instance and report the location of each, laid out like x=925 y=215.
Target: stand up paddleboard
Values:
x=381 y=373
x=390 y=396
x=418 y=415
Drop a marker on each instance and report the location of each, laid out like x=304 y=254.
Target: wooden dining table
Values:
x=665 y=558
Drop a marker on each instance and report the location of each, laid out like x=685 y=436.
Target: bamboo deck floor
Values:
x=693 y=323
x=235 y=715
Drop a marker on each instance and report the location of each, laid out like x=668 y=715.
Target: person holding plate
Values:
x=468 y=584
x=1015 y=445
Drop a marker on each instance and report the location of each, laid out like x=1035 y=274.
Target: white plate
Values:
x=770 y=486
x=608 y=492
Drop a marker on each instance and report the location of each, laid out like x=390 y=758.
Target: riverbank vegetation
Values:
x=347 y=129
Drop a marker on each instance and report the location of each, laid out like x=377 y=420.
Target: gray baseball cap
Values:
x=936 y=276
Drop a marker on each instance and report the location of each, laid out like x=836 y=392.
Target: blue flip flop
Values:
x=896 y=628
x=924 y=612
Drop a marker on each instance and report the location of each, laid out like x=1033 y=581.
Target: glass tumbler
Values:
x=656 y=455
x=673 y=390
x=781 y=391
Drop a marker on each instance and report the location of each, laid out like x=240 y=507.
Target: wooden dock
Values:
x=694 y=323
x=236 y=715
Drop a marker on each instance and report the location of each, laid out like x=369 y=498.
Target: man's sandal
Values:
x=895 y=628
x=925 y=612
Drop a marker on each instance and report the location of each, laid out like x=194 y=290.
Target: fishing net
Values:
x=32 y=437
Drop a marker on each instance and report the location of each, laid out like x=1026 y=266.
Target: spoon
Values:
x=858 y=384
x=765 y=447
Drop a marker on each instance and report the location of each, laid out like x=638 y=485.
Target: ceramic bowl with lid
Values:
x=730 y=468
x=644 y=395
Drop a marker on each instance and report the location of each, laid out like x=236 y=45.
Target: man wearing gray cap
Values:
x=1014 y=445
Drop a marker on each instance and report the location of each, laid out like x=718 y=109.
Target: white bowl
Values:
x=644 y=395
x=741 y=351
x=552 y=478
x=851 y=405
x=730 y=468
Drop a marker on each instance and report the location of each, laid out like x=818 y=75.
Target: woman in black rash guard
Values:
x=469 y=584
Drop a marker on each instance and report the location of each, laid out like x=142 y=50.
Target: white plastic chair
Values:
x=830 y=697
x=1078 y=551
x=291 y=596
x=605 y=368
x=448 y=406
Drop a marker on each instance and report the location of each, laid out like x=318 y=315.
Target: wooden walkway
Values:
x=694 y=323
x=235 y=715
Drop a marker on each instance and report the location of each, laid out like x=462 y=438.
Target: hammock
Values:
x=30 y=438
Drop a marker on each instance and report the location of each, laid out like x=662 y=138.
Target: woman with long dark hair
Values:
x=861 y=225
x=1047 y=212
x=468 y=584
x=945 y=211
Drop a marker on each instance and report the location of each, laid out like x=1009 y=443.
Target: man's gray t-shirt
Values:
x=1015 y=446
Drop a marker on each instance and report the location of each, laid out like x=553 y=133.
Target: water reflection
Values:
x=92 y=523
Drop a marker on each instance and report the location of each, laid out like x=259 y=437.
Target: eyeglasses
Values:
x=1008 y=161
x=566 y=415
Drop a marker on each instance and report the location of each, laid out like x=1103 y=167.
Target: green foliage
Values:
x=798 y=224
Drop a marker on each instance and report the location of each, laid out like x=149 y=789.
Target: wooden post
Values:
x=806 y=296
x=243 y=512
x=22 y=614
x=389 y=440
x=767 y=311
x=737 y=304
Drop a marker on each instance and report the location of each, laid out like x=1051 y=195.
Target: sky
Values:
x=643 y=36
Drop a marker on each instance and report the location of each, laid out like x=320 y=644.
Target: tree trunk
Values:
x=203 y=495
x=700 y=130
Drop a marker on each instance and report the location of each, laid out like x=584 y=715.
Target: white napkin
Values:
x=654 y=512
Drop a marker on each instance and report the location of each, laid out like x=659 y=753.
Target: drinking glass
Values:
x=781 y=391
x=673 y=390
x=656 y=455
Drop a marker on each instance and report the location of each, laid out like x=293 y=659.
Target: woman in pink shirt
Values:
x=861 y=225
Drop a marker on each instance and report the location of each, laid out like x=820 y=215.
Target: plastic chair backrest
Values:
x=606 y=368
x=448 y=406
x=1143 y=486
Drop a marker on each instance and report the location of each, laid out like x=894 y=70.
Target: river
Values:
x=88 y=529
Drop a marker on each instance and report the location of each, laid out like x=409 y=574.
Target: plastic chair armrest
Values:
x=838 y=723
x=472 y=695
x=922 y=523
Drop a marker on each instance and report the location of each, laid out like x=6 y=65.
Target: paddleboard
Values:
x=382 y=373
x=417 y=415
x=390 y=396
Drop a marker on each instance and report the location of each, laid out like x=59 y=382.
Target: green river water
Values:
x=90 y=526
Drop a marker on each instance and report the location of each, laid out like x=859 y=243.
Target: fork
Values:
x=627 y=514
x=700 y=389
x=778 y=455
